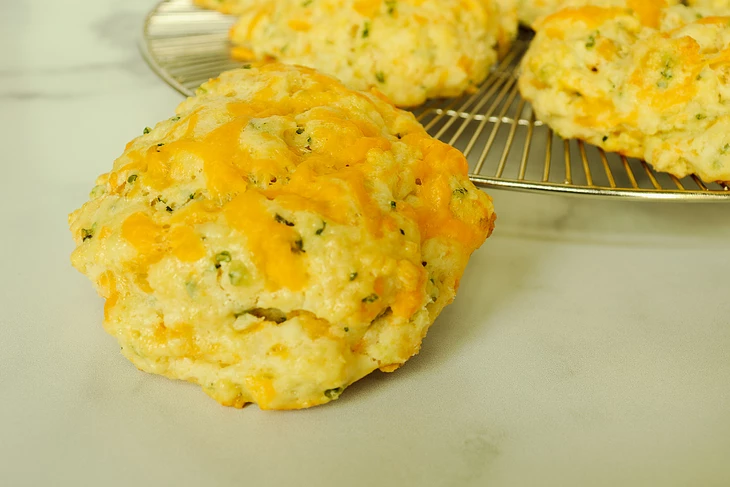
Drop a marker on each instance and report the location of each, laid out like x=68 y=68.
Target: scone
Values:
x=531 y=11
x=279 y=238
x=410 y=50
x=611 y=78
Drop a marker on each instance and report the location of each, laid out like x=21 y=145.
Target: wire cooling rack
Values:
x=507 y=147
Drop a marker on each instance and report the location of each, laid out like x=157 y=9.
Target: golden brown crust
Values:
x=410 y=50
x=279 y=238
x=652 y=88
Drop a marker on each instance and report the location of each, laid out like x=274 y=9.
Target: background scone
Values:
x=662 y=94
x=410 y=50
x=531 y=11
x=278 y=239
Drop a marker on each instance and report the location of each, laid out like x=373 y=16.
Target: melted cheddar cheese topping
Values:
x=533 y=12
x=410 y=50
x=649 y=83
x=279 y=238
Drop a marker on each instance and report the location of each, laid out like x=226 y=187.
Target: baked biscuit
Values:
x=531 y=11
x=653 y=88
x=279 y=238
x=410 y=50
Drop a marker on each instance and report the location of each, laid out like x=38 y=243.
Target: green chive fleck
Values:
x=700 y=116
x=393 y=204
x=371 y=298
x=320 y=230
x=224 y=256
x=298 y=246
x=667 y=73
x=605 y=138
x=353 y=276
x=300 y=130
x=132 y=178
x=591 y=42
x=146 y=130
x=246 y=66
x=282 y=220
x=333 y=393
x=190 y=288
x=380 y=77
x=236 y=275
x=97 y=191
x=366 y=30
x=86 y=233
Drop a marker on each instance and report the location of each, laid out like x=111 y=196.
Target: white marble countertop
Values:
x=589 y=344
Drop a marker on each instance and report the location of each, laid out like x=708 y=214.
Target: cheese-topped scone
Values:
x=656 y=88
x=410 y=50
x=531 y=11
x=279 y=238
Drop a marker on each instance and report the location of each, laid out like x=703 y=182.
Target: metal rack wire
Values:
x=507 y=147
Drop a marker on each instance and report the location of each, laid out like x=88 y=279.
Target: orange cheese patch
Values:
x=143 y=233
x=590 y=15
x=262 y=388
x=186 y=244
x=410 y=297
x=434 y=215
x=368 y=8
x=108 y=289
x=648 y=11
x=277 y=249
x=667 y=75
x=299 y=25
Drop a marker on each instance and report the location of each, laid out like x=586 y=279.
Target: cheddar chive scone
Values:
x=660 y=93
x=279 y=238
x=531 y=11
x=410 y=50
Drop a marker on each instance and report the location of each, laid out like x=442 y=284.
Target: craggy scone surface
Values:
x=711 y=7
x=653 y=87
x=531 y=11
x=278 y=239
x=411 y=50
